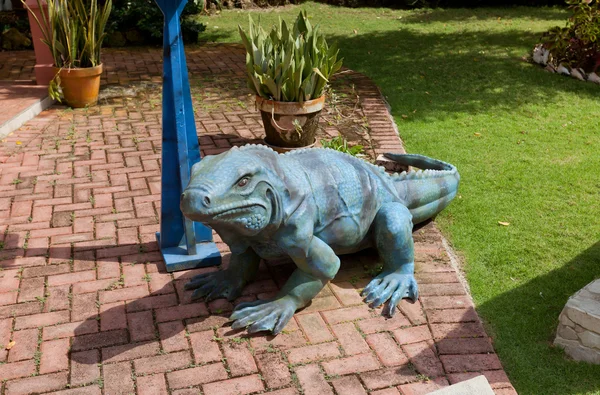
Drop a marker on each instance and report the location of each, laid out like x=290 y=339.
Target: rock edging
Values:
x=542 y=56
x=579 y=328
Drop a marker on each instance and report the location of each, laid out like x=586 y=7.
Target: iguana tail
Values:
x=425 y=192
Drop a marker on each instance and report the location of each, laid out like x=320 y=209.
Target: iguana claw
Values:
x=263 y=315
x=393 y=287
x=215 y=285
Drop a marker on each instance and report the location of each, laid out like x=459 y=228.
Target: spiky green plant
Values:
x=339 y=143
x=291 y=65
x=74 y=30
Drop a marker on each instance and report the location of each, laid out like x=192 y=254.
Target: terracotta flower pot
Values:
x=290 y=124
x=80 y=86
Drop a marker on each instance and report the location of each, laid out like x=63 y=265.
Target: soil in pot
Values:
x=80 y=87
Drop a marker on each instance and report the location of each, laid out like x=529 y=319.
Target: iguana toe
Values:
x=263 y=315
x=198 y=281
x=214 y=285
x=373 y=284
x=383 y=296
x=201 y=292
x=219 y=291
x=393 y=287
x=263 y=324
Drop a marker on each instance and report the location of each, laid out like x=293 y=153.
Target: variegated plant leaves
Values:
x=288 y=64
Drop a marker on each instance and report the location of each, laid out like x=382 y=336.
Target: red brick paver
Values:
x=85 y=297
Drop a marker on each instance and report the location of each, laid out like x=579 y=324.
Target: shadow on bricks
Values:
x=158 y=328
x=119 y=311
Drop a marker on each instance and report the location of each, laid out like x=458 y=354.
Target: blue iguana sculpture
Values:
x=311 y=205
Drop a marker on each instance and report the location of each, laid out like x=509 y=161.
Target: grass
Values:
x=526 y=144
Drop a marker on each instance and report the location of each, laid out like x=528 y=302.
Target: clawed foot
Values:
x=392 y=286
x=214 y=285
x=263 y=315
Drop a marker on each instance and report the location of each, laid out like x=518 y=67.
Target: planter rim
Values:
x=80 y=71
x=292 y=108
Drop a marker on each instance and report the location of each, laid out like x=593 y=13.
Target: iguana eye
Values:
x=243 y=182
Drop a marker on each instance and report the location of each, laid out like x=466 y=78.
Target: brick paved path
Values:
x=88 y=308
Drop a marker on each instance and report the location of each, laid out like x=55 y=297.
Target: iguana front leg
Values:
x=392 y=229
x=226 y=283
x=316 y=266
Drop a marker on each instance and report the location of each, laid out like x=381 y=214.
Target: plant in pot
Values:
x=576 y=45
x=74 y=30
x=288 y=69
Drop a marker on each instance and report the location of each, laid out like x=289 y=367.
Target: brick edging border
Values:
x=386 y=137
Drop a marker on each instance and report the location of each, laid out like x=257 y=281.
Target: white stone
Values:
x=584 y=302
x=567 y=333
x=590 y=339
x=581 y=316
x=594 y=287
x=475 y=386
x=565 y=320
x=585 y=294
x=577 y=351
x=538 y=55
x=562 y=70
x=579 y=328
x=577 y=74
x=578 y=316
x=545 y=55
x=593 y=77
x=559 y=341
x=583 y=308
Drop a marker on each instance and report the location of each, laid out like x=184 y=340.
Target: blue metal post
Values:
x=184 y=244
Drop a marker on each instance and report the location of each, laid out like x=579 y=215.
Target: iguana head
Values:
x=238 y=189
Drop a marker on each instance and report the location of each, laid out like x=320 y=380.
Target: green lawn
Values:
x=527 y=144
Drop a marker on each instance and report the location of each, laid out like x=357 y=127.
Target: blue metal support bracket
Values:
x=184 y=244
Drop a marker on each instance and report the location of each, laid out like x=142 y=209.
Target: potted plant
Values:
x=288 y=70
x=74 y=30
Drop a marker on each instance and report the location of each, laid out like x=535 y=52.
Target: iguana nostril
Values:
x=183 y=196
x=206 y=201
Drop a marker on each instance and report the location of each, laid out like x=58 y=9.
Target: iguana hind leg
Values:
x=392 y=230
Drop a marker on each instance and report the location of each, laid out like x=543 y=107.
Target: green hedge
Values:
x=140 y=22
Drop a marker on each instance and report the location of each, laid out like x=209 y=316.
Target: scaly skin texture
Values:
x=311 y=205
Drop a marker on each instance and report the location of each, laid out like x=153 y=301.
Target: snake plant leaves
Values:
x=289 y=63
x=73 y=30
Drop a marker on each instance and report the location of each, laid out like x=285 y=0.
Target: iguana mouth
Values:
x=232 y=208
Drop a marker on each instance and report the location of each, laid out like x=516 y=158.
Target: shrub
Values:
x=576 y=44
x=291 y=65
x=17 y=19
x=141 y=22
